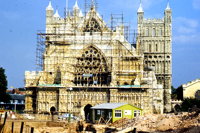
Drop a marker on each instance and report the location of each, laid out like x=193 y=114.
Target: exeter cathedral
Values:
x=84 y=62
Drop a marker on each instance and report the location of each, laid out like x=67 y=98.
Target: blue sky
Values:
x=21 y=19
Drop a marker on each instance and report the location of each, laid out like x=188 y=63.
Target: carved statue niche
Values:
x=57 y=79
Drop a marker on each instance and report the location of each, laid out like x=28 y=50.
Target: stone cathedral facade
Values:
x=85 y=63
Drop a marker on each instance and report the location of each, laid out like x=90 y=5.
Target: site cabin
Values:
x=111 y=112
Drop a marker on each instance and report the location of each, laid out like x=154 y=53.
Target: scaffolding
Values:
x=88 y=4
x=40 y=51
x=119 y=51
x=88 y=62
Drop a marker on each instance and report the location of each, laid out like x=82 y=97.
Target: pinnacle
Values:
x=168 y=6
x=76 y=5
x=140 y=9
x=56 y=14
x=49 y=7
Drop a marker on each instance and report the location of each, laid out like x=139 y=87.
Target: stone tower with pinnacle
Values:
x=155 y=38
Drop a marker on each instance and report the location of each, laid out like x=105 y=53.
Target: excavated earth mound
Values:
x=163 y=123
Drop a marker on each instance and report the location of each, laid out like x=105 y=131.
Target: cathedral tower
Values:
x=154 y=36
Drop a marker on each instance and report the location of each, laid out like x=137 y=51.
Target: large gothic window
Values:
x=92 y=26
x=91 y=69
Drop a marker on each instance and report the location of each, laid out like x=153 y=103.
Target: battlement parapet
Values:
x=191 y=83
x=153 y=20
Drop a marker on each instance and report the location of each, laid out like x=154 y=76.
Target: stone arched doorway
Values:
x=52 y=110
x=88 y=113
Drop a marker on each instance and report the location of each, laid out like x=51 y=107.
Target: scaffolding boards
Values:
x=120 y=52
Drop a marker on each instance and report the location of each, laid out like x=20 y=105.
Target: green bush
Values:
x=189 y=103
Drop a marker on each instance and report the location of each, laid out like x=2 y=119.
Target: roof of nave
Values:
x=191 y=83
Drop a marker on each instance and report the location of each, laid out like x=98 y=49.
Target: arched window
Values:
x=156 y=47
x=150 y=48
x=92 y=67
x=147 y=32
x=160 y=32
x=153 y=63
x=154 y=32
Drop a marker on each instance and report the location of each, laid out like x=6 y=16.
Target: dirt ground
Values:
x=165 y=123
x=162 y=123
x=40 y=127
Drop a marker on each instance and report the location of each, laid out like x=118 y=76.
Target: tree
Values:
x=177 y=93
x=174 y=92
x=190 y=103
x=4 y=97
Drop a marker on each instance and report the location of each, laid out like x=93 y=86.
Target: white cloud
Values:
x=187 y=39
x=186 y=30
x=182 y=21
x=196 y=4
x=185 y=26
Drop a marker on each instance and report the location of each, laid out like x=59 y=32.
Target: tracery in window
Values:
x=91 y=69
x=92 y=26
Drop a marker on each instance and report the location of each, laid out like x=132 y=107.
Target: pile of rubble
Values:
x=162 y=123
x=154 y=123
x=122 y=122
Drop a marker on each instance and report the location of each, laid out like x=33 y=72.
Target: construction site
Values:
x=98 y=72
x=154 y=123
x=83 y=62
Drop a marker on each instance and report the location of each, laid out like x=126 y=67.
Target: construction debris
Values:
x=161 y=123
x=154 y=123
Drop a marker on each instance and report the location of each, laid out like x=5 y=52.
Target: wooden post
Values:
x=134 y=131
x=22 y=127
x=0 y=117
x=32 y=129
x=27 y=129
x=5 y=119
x=12 y=127
x=122 y=120
x=93 y=116
x=2 y=130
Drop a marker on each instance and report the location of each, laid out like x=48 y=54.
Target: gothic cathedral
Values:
x=84 y=63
